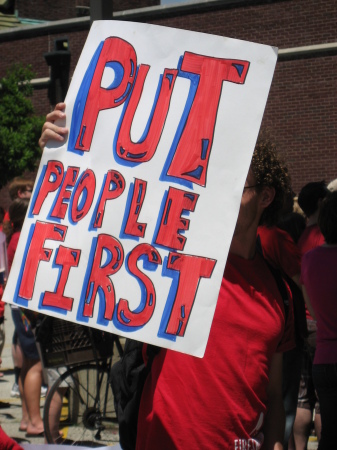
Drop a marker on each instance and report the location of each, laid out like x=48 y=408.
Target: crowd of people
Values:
x=26 y=360
x=270 y=367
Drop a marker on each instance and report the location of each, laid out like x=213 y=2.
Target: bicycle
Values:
x=79 y=406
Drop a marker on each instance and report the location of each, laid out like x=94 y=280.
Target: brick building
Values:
x=302 y=106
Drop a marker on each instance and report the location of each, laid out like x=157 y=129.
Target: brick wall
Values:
x=124 y=5
x=66 y=9
x=302 y=106
x=302 y=112
x=48 y=9
x=286 y=23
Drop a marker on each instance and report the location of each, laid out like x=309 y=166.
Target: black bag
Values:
x=278 y=276
x=301 y=330
x=127 y=380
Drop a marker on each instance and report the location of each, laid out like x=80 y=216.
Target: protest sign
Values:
x=131 y=219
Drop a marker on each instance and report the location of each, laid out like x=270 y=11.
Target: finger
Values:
x=55 y=128
x=52 y=132
x=55 y=115
x=60 y=106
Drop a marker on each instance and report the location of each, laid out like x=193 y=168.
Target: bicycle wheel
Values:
x=79 y=408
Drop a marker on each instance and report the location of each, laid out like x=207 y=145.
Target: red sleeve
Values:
x=7 y=443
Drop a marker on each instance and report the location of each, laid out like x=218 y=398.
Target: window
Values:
x=172 y=2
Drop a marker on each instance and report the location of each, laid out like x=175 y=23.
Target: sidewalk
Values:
x=10 y=408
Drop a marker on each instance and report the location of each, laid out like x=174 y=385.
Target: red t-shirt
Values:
x=280 y=250
x=310 y=238
x=219 y=401
x=319 y=278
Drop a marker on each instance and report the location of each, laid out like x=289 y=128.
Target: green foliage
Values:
x=20 y=129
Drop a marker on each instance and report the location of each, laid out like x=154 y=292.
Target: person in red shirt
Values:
x=232 y=397
x=309 y=200
x=318 y=277
x=19 y=187
x=282 y=253
x=30 y=378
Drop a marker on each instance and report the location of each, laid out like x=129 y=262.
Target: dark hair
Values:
x=2 y=214
x=17 y=213
x=19 y=184
x=327 y=219
x=310 y=195
x=270 y=170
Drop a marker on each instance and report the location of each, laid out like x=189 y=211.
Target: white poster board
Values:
x=131 y=219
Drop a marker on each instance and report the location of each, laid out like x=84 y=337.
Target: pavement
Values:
x=10 y=408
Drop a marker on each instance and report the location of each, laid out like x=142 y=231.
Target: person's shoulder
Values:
x=310 y=238
x=273 y=232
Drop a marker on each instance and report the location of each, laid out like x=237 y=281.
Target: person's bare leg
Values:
x=55 y=413
x=302 y=428
x=25 y=417
x=318 y=426
x=32 y=393
x=17 y=357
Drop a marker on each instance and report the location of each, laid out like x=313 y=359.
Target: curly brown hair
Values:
x=269 y=170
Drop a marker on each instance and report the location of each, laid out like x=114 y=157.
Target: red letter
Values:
x=193 y=149
x=66 y=258
x=191 y=269
x=171 y=222
x=84 y=193
x=60 y=208
x=114 y=186
x=37 y=253
x=144 y=150
x=133 y=227
x=52 y=179
x=100 y=275
x=121 y=56
x=140 y=318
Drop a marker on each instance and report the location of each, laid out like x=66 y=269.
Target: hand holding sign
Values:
x=50 y=131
